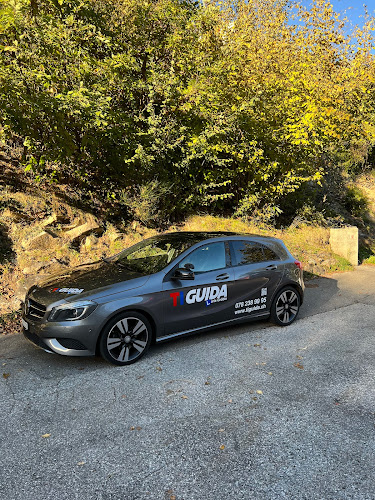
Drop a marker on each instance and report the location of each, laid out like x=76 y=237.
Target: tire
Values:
x=126 y=338
x=285 y=306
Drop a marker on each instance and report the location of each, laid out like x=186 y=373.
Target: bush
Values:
x=355 y=201
x=148 y=203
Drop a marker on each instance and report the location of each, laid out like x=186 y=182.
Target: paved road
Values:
x=250 y=412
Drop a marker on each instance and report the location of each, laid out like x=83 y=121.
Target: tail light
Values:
x=298 y=264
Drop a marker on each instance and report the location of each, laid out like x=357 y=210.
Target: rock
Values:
x=41 y=240
x=90 y=242
x=16 y=216
x=77 y=234
x=33 y=269
x=62 y=262
x=319 y=270
x=56 y=218
x=53 y=269
x=76 y=222
x=115 y=237
x=50 y=220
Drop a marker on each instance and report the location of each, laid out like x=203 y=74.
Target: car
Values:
x=166 y=286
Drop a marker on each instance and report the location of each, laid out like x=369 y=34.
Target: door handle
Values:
x=222 y=277
x=272 y=267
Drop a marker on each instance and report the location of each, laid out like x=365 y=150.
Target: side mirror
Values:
x=183 y=274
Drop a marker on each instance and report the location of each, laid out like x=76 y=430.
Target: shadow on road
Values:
x=321 y=295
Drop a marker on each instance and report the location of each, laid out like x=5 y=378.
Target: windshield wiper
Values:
x=123 y=266
x=117 y=262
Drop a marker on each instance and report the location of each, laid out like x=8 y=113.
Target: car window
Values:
x=247 y=252
x=206 y=258
x=270 y=254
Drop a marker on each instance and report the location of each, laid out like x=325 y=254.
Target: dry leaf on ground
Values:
x=298 y=365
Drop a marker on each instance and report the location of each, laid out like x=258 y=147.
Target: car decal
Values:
x=68 y=290
x=249 y=306
x=209 y=295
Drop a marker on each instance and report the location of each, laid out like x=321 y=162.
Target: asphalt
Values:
x=248 y=412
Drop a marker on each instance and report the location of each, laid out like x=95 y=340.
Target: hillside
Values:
x=41 y=233
x=123 y=119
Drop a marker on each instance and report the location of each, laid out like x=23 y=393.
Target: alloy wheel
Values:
x=287 y=306
x=127 y=339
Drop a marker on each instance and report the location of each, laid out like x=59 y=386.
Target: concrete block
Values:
x=344 y=242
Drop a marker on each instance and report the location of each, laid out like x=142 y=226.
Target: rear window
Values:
x=247 y=252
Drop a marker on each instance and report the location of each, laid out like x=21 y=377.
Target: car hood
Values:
x=80 y=282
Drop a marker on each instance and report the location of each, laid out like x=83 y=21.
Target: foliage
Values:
x=149 y=203
x=370 y=260
x=163 y=107
x=355 y=201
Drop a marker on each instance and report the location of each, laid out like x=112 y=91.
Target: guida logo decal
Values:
x=209 y=295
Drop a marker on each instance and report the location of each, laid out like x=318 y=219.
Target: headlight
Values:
x=72 y=311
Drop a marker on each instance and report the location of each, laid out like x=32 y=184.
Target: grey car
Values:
x=164 y=287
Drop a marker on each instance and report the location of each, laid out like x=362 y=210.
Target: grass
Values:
x=308 y=243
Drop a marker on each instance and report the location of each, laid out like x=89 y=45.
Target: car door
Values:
x=257 y=273
x=205 y=300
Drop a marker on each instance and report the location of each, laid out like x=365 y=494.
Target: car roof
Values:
x=197 y=236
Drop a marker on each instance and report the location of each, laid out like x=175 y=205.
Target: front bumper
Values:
x=67 y=340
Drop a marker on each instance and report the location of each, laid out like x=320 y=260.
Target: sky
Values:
x=354 y=8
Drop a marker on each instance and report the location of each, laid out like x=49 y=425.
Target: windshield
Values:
x=154 y=254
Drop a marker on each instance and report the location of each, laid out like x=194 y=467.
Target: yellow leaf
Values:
x=184 y=397
x=259 y=392
x=47 y=435
x=81 y=463
x=222 y=447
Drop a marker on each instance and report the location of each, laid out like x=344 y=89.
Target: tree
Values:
x=231 y=106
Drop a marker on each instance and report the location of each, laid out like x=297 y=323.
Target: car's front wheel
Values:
x=285 y=306
x=126 y=338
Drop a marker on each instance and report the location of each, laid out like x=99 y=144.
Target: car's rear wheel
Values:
x=126 y=338
x=285 y=306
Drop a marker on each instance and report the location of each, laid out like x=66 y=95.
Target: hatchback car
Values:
x=163 y=287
